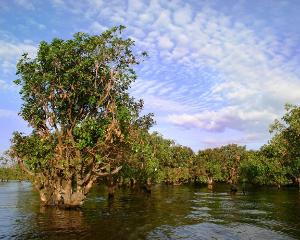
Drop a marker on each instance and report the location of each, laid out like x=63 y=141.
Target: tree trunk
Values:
x=147 y=186
x=111 y=191
x=210 y=181
x=233 y=188
x=60 y=194
x=111 y=187
x=51 y=197
x=132 y=182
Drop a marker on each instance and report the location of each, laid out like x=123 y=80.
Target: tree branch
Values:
x=109 y=173
x=24 y=168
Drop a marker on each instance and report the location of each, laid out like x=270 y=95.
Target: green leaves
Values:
x=285 y=143
x=221 y=164
x=74 y=78
x=278 y=161
x=89 y=132
x=33 y=150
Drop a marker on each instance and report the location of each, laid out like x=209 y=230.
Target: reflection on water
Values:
x=180 y=212
x=215 y=231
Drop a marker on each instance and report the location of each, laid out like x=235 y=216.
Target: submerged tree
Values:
x=208 y=161
x=263 y=169
x=142 y=165
x=75 y=99
x=286 y=142
x=218 y=164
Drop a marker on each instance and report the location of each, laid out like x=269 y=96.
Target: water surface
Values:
x=179 y=212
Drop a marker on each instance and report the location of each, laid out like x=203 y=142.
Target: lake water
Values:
x=179 y=212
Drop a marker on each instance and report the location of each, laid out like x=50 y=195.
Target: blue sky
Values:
x=219 y=71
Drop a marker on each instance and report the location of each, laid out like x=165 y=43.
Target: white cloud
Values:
x=6 y=86
x=97 y=28
x=8 y=67
x=165 y=42
x=211 y=142
x=96 y=4
x=27 y=4
x=183 y=16
x=155 y=103
x=4 y=113
x=135 y=5
x=57 y=3
x=11 y=51
x=36 y=24
x=226 y=118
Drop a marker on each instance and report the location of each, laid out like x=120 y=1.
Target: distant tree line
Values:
x=276 y=163
x=10 y=170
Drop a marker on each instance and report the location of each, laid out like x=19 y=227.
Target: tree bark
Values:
x=233 y=188
x=66 y=189
x=60 y=193
x=147 y=186
x=111 y=187
x=210 y=183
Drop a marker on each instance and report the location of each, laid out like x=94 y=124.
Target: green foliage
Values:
x=285 y=144
x=9 y=170
x=158 y=159
x=263 y=170
x=172 y=160
x=12 y=173
x=176 y=169
x=87 y=133
x=219 y=164
x=277 y=162
x=176 y=175
x=35 y=151
x=143 y=162
x=212 y=163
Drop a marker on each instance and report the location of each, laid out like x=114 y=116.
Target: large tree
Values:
x=76 y=101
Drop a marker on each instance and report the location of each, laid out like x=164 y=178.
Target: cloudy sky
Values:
x=218 y=71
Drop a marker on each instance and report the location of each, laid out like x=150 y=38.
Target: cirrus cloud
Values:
x=248 y=73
